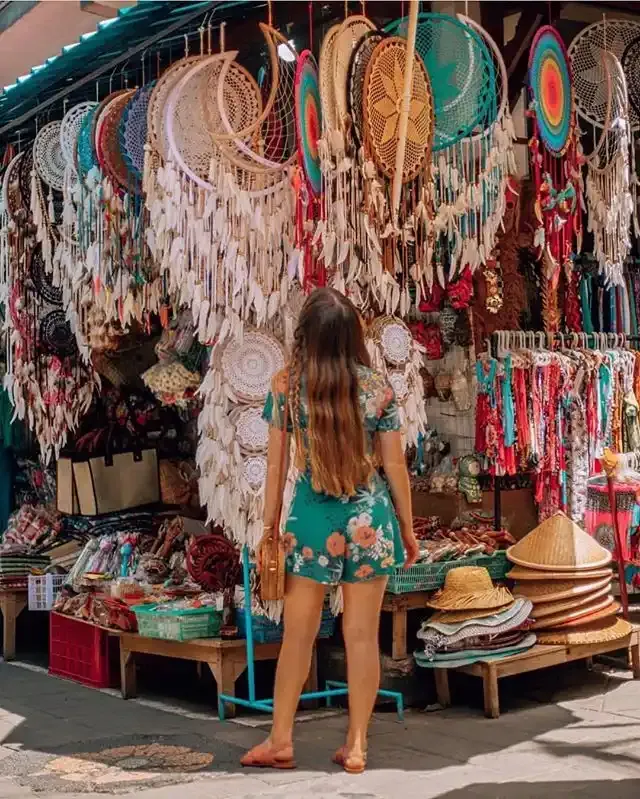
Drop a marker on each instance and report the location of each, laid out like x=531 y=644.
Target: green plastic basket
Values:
x=431 y=576
x=159 y=621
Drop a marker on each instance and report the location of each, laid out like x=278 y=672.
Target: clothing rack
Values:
x=544 y=340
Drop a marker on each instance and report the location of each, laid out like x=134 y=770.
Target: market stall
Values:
x=162 y=219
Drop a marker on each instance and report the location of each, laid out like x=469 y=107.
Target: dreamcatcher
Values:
x=472 y=141
x=602 y=103
x=233 y=438
x=399 y=357
x=308 y=177
x=556 y=164
x=341 y=232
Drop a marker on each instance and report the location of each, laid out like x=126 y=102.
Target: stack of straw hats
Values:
x=567 y=576
x=476 y=620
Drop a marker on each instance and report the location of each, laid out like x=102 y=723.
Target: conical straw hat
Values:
x=468 y=588
x=531 y=575
x=556 y=590
x=457 y=616
x=570 y=618
x=558 y=544
x=597 y=632
x=545 y=609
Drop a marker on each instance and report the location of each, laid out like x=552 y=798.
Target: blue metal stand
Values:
x=332 y=688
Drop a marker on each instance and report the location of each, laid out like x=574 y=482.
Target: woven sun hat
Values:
x=598 y=632
x=543 y=591
x=458 y=616
x=599 y=609
x=521 y=573
x=470 y=587
x=545 y=609
x=558 y=544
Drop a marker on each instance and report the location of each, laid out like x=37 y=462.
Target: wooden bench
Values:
x=12 y=603
x=226 y=659
x=541 y=656
x=399 y=605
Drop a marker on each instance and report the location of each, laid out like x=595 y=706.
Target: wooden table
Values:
x=399 y=605
x=12 y=603
x=226 y=659
x=541 y=656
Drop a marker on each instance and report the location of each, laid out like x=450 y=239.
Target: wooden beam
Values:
x=516 y=53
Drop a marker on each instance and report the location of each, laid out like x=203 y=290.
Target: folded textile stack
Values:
x=566 y=574
x=15 y=570
x=476 y=621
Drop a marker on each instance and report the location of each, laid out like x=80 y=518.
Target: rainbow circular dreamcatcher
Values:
x=308 y=120
x=556 y=165
x=551 y=93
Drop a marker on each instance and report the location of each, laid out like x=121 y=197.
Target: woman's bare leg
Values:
x=360 y=624
x=302 y=612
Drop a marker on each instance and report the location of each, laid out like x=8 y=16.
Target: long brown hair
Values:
x=328 y=347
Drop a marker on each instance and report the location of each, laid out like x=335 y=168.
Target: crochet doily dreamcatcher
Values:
x=233 y=437
x=48 y=158
x=249 y=365
x=556 y=164
x=252 y=432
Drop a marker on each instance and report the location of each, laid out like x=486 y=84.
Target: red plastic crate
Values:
x=79 y=651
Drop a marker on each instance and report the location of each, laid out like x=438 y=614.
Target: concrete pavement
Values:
x=565 y=732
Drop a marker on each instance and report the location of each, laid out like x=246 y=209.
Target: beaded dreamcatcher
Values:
x=556 y=164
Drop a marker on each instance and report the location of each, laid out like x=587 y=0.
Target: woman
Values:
x=342 y=527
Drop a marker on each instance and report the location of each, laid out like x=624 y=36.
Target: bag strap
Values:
x=282 y=477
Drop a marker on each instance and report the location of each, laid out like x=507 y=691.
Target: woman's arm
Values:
x=395 y=467
x=277 y=468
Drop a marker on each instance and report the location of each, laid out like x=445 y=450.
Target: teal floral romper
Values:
x=351 y=539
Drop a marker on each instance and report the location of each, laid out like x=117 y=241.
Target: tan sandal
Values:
x=352 y=764
x=264 y=756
